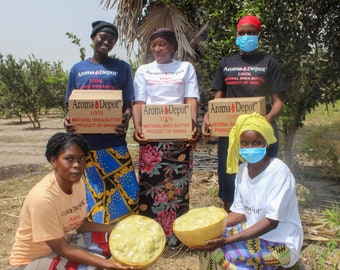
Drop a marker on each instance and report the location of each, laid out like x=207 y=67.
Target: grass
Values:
x=203 y=192
x=324 y=116
x=317 y=144
x=12 y=196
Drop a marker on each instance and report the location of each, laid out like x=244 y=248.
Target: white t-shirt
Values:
x=165 y=83
x=271 y=194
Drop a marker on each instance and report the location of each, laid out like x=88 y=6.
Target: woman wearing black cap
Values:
x=165 y=168
x=112 y=188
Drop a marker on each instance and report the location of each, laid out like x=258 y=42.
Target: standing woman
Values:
x=111 y=183
x=250 y=73
x=165 y=167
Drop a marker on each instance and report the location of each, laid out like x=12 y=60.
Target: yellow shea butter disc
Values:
x=137 y=241
x=199 y=225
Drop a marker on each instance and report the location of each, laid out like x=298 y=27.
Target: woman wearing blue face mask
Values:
x=250 y=73
x=264 y=228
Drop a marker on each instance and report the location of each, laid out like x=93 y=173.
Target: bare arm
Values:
x=235 y=218
x=276 y=107
x=88 y=226
x=124 y=126
x=64 y=249
x=254 y=231
x=137 y=120
x=194 y=113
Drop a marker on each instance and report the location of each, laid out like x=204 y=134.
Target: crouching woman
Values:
x=53 y=232
x=264 y=228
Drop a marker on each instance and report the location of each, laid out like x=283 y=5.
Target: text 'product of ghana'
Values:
x=137 y=241
x=199 y=225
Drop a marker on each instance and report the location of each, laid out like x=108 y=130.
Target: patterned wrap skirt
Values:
x=249 y=254
x=111 y=185
x=165 y=170
x=95 y=243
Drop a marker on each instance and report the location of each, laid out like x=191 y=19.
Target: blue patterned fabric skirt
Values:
x=249 y=254
x=111 y=185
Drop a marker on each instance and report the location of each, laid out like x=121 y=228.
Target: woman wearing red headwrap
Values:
x=248 y=74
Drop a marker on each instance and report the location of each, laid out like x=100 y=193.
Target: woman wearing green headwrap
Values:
x=264 y=228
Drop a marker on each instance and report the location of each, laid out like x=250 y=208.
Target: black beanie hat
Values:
x=104 y=27
x=167 y=34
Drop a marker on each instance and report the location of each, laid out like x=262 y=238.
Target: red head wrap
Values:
x=250 y=20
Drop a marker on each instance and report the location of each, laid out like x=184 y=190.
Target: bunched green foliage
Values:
x=28 y=86
x=303 y=35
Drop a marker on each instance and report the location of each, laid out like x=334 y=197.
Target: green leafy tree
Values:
x=30 y=85
x=11 y=80
x=303 y=35
x=56 y=81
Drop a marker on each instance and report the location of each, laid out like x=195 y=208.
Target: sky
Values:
x=38 y=27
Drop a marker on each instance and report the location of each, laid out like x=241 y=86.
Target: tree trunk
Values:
x=31 y=119
x=36 y=119
x=288 y=146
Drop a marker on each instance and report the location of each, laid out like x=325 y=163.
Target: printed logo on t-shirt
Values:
x=165 y=77
x=97 y=72
x=252 y=210
x=253 y=69
x=245 y=75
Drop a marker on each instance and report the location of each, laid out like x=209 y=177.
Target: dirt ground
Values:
x=22 y=164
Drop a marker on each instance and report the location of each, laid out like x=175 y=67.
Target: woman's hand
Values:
x=113 y=264
x=195 y=135
x=211 y=244
x=206 y=126
x=121 y=129
x=69 y=127
x=138 y=136
x=124 y=126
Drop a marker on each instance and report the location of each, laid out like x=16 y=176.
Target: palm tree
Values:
x=138 y=19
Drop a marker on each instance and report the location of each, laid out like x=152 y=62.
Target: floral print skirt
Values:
x=165 y=171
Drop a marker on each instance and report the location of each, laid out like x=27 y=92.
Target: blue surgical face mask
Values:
x=247 y=43
x=253 y=155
